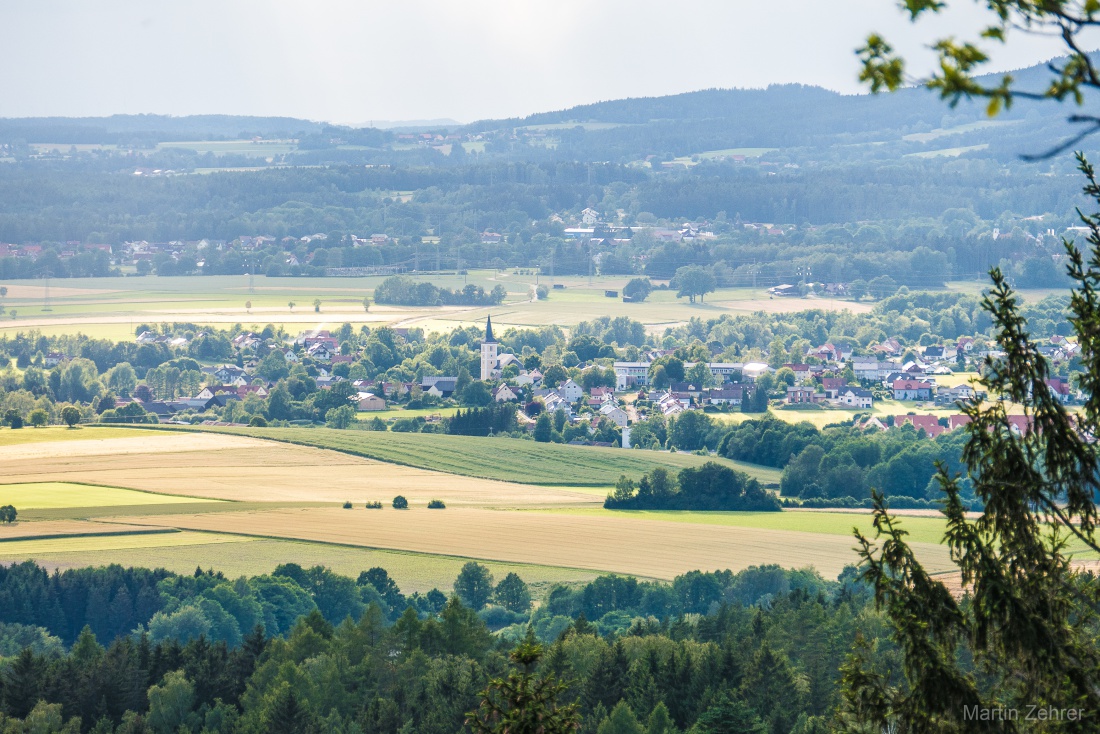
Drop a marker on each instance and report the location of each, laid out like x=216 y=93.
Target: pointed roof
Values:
x=489 y=331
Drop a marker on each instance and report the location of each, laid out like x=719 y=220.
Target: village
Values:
x=845 y=385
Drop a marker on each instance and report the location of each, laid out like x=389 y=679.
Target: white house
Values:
x=855 y=397
x=571 y=391
x=503 y=393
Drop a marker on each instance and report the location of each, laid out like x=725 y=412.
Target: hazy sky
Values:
x=352 y=61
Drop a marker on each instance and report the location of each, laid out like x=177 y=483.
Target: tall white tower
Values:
x=489 y=348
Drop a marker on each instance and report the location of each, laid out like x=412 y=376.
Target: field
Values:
x=243 y=504
x=114 y=307
x=52 y=495
x=654 y=548
x=498 y=458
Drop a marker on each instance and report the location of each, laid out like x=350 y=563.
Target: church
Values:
x=492 y=362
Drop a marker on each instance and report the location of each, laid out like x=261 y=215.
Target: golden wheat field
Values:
x=216 y=466
x=652 y=548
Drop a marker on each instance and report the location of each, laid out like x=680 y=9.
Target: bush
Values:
x=374 y=505
x=436 y=505
x=8 y=514
x=400 y=503
x=258 y=421
x=347 y=505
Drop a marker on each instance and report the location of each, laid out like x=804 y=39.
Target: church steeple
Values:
x=489 y=330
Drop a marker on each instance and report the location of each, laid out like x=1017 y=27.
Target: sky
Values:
x=358 y=61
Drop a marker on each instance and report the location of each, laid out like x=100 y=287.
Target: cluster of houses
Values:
x=934 y=426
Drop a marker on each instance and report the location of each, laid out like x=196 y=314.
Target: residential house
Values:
x=554 y=401
x=801 y=371
x=890 y=347
x=912 y=390
x=321 y=351
x=800 y=394
x=934 y=353
x=54 y=358
x=872 y=369
x=952 y=395
x=615 y=414
x=601 y=394
x=503 y=393
x=228 y=374
x=729 y=394
x=832 y=386
x=529 y=377
x=571 y=391
x=856 y=397
x=1060 y=388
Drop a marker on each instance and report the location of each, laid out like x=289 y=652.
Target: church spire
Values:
x=489 y=330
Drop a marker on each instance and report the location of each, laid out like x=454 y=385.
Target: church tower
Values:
x=489 y=348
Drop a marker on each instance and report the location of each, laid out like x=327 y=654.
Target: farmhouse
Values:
x=440 y=387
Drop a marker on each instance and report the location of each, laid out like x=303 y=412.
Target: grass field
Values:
x=498 y=458
x=19 y=437
x=920 y=529
x=29 y=549
x=52 y=495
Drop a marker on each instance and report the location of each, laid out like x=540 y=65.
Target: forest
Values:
x=304 y=650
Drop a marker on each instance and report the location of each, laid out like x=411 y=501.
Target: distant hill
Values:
x=126 y=129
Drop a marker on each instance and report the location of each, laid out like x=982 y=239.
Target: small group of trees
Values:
x=8 y=514
x=474 y=586
x=707 y=487
x=401 y=290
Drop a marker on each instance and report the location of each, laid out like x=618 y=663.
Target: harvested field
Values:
x=70 y=529
x=654 y=548
x=54 y=495
x=22 y=550
x=411 y=571
x=505 y=459
x=224 y=467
